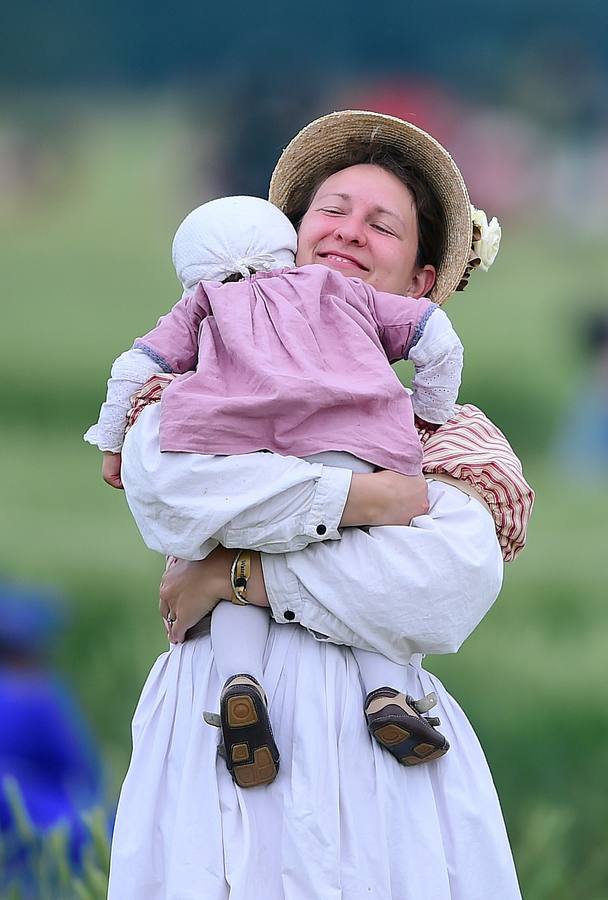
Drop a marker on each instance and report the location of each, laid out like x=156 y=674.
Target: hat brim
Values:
x=322 y=144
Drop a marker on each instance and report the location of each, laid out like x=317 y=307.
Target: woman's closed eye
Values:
x=383 y=229
x=380 y=227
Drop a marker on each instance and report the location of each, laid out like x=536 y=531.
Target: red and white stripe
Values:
x=150 y=392
x=472 y=448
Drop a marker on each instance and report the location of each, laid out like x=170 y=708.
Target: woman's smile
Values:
x=341 y=260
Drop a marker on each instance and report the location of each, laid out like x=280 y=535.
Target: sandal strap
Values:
x=425 y=703
x=212 y=719
x=420 y=706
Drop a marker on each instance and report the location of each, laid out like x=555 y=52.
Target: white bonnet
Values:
x=232 y=235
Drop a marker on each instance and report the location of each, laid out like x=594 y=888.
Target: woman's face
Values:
x=362 y=222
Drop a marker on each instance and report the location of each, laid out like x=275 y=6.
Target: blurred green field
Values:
x=86 y=266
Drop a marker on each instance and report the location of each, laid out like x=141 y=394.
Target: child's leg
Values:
x=238 y=638
x=378 y=671
x=186 y=503
x=393 y=717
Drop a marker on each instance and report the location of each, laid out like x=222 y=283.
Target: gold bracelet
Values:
x=240 y=571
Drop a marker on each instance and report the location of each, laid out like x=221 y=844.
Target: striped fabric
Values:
x=149 y=392
x=468 y=447
x=471 y=448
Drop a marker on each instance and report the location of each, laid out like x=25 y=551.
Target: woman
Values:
x=342 y=819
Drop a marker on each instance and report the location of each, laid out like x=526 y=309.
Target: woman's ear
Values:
x=422 y=282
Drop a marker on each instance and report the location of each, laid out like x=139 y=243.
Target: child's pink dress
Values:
x=293 y=361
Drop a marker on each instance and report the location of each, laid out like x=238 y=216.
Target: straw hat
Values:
x=323 y=143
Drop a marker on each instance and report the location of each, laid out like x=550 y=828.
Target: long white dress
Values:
x=342 y=819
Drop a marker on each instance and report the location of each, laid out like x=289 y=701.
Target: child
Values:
x=292 y=361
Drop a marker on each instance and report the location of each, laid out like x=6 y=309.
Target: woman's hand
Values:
x=110 y=469
x=189 y=590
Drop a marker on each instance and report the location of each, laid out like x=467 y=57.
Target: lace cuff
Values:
x=129 y=372
x=437 y=358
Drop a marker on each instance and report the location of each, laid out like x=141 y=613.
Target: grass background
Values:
x=86 y=266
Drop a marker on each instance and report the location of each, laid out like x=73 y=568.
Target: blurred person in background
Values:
x=342 y=818
x=46 y=750
x=581 y=445
x=255 y=123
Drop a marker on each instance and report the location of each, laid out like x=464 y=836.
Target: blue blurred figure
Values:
x=581 y=447
x=45 y=746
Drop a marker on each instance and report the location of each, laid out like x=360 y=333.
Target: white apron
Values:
x=342 y=821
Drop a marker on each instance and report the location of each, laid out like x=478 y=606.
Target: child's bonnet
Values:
x=232 y=236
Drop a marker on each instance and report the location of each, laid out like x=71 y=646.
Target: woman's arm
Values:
x=190 y=589
x=417 y=589
x=396 y=590
x=310 y=502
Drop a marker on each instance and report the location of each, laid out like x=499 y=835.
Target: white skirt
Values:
x=342 y=821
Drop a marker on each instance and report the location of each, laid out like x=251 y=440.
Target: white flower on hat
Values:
x=486 y=246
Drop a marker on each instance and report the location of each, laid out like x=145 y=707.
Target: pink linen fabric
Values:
x=292 y=361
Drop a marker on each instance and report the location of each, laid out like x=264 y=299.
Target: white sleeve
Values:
x=437 y=358
x=129 y=372
x=395 y=590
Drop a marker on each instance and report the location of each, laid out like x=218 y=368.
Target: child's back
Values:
x=294 y=361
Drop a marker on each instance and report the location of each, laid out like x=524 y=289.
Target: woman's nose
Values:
x=350 y=231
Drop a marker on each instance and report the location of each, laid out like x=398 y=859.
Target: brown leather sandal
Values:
x=247 y=744
x=394 y=720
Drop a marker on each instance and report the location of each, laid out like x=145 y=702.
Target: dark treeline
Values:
x=149 y=43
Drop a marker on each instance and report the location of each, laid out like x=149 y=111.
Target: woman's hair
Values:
x=429 y=213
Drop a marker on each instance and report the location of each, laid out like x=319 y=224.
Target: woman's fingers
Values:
x=170 y=624
x=163 y=606
x=174 y=600
x=178 y=631
x=169 y=617
x=187 y=593
x=165 y=611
